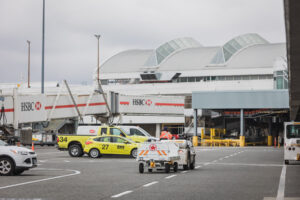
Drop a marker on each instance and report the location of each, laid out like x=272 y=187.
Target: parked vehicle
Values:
x=291 y=142
x=137 y=132
x=110 y=145
x=75 y=143
x=15 y=160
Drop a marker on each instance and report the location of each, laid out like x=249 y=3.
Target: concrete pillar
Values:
x=195 y=122
x=242 y=136
x=157 y=131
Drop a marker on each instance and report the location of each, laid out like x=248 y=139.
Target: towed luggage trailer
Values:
x=158 y=155
x=186 y=152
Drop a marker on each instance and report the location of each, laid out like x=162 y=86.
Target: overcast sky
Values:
x=71 y=48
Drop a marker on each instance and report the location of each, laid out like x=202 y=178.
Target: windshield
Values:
x=293 y=131
x=2 y=143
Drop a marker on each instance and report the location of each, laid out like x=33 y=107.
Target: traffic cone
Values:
x=32 y=146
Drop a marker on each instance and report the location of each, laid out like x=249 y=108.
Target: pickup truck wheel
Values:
x=141 y=168
x=94 y=153
x=167 y=167
x=7 y=167
x=75 y=150
x=133 y=153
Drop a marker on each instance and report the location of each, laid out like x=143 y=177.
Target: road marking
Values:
x=251 y=164
x=149 y=184
x=170 y=176
x=280 y=193
x=44 y=179
x=121 y=194
x=67 y=161
x=54 y=152
x=184 y=172
x=226 y=157
x=197 y=167
x=43 y=161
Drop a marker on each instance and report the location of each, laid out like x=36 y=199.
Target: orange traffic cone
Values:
x=32 y=146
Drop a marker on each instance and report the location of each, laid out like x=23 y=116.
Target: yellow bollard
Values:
x=195 y=141
x=242 y=141
x=202 y=134
x=269 y=140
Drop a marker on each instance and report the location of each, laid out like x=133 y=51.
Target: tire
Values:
x=167 y=167
x=94 y=153
x=7 y=167
x=175 y=167
x=286 y=162
x=141 y=168
x=192 y=165
x=150 y=170
x=133 y=153
x=18 y=171
x=75 y=150
x=187 y=166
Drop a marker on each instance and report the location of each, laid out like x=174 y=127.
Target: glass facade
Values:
x=234 y=45
x=281 y=79
x=168 y=48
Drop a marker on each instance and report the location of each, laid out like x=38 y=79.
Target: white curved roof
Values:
x=256 y=53
x=126 y=61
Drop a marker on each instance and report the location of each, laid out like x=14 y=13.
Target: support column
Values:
x=242 y=136
x=158 y=130
x=195 y=137
x=270 y=143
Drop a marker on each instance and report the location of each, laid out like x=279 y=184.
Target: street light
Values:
x=28 y=78
x=43 y=48
x=98 y=63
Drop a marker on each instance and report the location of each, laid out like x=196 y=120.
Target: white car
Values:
x=15 y=160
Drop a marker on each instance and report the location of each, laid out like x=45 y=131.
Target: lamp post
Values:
x=43 y=48
x=28 y=78
x=98 y=60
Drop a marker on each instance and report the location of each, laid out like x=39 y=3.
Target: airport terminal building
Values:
x=182 y=66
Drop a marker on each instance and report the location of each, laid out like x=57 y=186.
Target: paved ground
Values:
x=221 y=173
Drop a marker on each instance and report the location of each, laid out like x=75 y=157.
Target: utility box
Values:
x=26 y=136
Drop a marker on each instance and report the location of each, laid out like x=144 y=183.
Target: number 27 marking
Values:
x=105 y=146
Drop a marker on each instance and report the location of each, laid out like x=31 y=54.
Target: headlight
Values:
x=19 y=152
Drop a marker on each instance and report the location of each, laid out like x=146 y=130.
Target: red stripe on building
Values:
x=169 y=104
x=72 y=105
x=124 y=102
x=9 y=110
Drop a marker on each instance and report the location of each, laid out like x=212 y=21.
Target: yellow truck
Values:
x=75 y=143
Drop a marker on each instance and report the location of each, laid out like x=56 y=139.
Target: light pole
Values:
x=98 y=63
x=28 y=78
x=43 y=47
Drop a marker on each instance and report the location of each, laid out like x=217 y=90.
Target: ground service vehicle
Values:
x=187 y=153
x=158 y=155
x=111 y=145
x=291 y=141
x=15 y=160
x=76 y=143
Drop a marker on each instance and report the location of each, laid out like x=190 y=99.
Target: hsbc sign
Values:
x=141 y=102
x=30 y=106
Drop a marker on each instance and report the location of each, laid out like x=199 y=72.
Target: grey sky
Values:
x=71 y=48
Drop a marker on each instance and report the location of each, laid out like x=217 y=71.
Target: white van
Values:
x=137 y=131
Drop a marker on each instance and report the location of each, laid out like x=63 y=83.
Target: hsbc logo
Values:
x=141 y=102
x=30 y=106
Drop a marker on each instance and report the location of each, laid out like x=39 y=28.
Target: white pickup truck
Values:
x=15 y=160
